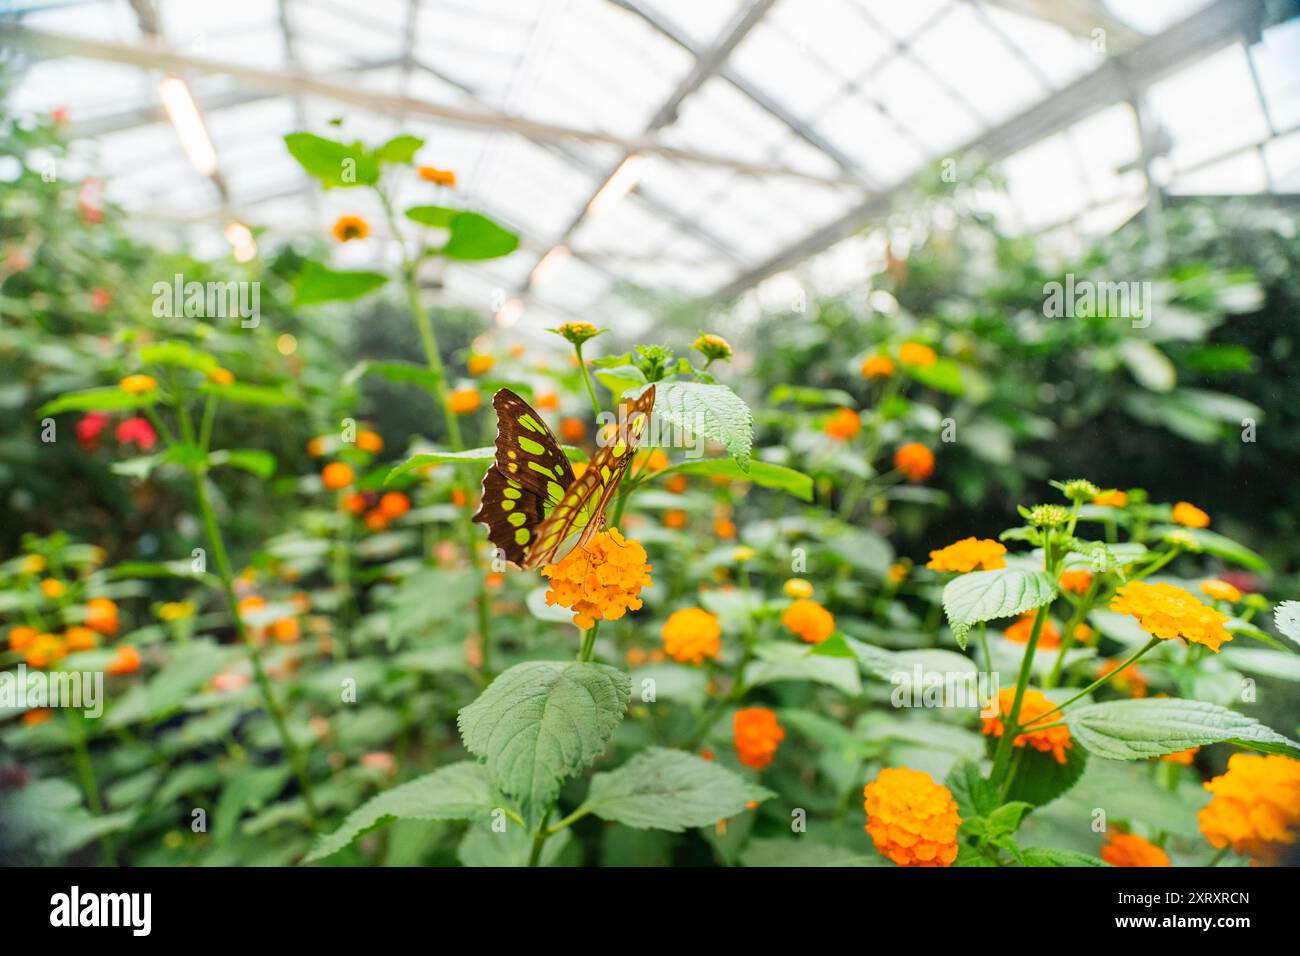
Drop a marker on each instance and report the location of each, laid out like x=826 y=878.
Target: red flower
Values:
x=100 y=298
x=139 y=431
x=89 y=427
x=1241 y=580
x=90 y=198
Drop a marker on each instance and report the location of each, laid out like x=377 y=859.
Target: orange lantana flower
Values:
x=439 y=177
x=692 y=634
x=1076 y=582
x=912 y=820
x=1256 y=806
x=914 y=353
x=843 y=424
x=463 y=401
x=347 y=228
x=1018 y=633
x=756 y=734
x=601 y=581
x=1053 y=740
x=967 y=555
x=1168 y=612
x=101 y=616
x=1190 y=516
x=878 y=366
x=1129 y=849
x=915 y=461
x=812 y=622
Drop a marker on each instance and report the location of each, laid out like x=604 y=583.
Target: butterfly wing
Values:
x=584 y=502
x=526 y=481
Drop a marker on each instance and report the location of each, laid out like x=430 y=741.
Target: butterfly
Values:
x=532 y=500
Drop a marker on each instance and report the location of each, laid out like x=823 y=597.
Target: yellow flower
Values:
x=911 y=819
x=575 y=333
x=138 y=384
x=1256 y=806
x=692 y=634
x=798 y=588
x=347 y=228
x=898 y=571
x=1220 y=591
x=479 y=364
x=176 y=610
x=812 y=622
x=1129 y=849
x=463 y=401
x=1168 y=612
x=1112 y=499
x=743 y=553
x=1051 y=740
x=1190 y=516
x=756 y=734
x=878 y=366
x=967 y=555
x=600 y=582
x=914 y=353
x=53 y=589
x=713 y=347
x=221 y=376
x=32 y=564
x=439 y=177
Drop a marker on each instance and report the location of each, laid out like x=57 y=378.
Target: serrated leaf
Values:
x=1221 y=546
x=1139 y=729
x=541 y=722
x=484 y=455
x=713 y=411
x=456 y=792
x=803 y=852
x=1046 y=856
x=760 y=473
x=665 y=789
x=1287 y=618
x=988 y=595
x=975 y=796
x=1040 y=779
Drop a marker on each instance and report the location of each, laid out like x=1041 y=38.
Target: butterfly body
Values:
x=533 y=501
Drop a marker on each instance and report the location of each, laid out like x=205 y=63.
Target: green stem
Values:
x=1067 y=640
x=254 y=653
x=586 y=380
x=588 y=643
x=1098 y=682
x=571 y=819
x=89 y=785
x=1010 y=725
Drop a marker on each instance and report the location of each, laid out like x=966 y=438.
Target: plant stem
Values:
x=586 y=380
x=1010 y=726
x=1098 y=682
x=89 y=785
x=254 y=653
x=588 y=643
x=1067 y=640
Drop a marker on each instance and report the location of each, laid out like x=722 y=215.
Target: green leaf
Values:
x=318 y=283
x=1046 y=856
x=486 y=455
x=976 y=797
x=760 y=473
x=1287 y=618
x=335 y=164
x=1005 y=820
x=1221 y=546
x=260 y=463
x=97 y=400
x=619 y=378
x=664 y=789
x=543 y=721
x=803 y=852
x=1040 y=779
x=988 y=595
x=400 y=149
x=167 y=691
x=456 y=792
x=1263 y=663
x=400 y=372
x=943 y=376
x=713 y=411
x=1150 y=366
x=782 y=661
x=1139 y=729
x=806 y=395
x=263 y=396
x=180 y=354
x=473 y=235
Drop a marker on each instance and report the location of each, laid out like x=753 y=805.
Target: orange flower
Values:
x=101 y=615
x=458 y=497
x=1053 y=740
x=724 y=528
x=369 y=441
x=479 y=364
x=1076 y=582
x=80 y=639
x=1129 y=681
x=812 y=622
x=1168 y=612
x=376 y=520
x=316 y=447
x=251 y=605
x=286 y=630
x=600 y=582
x=967 y=555
x=221 y=376
x=439 y=177
x=336 y=475
x=1112 y=499
x=1256 y=806
x=756 y=734
x=463 y=401
x=1182 y=757
x=1190 y=516
x=692 y=634
x=394 y=504
x=355 y=502
x=1220 y=591
x=21 y=637
x=1018 y=633
x=674 y=518
x=572 y=429
x=915 y=461
x=676 y=484
x=44 y=650
x=1129 y=849
x=911 y=819
x=878 y=366
x=347 y=228
x=53 y=589
x=798 y=588
x=34 y=718
x=126 y=661
x=914 y=353
x=843 y=424
x=138 y=384
x=546 y=402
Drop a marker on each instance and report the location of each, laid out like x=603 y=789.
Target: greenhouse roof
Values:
x=689 y=148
